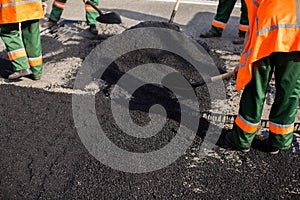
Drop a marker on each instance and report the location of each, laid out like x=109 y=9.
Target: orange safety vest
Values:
x=274 y=26
x=14 y=11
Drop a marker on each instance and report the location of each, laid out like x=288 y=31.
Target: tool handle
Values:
x=213 y=79
x=95 y=7
x=222 y=76
x=174 y=11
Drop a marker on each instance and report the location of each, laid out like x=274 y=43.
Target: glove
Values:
x=236 y=69
x=44 y=5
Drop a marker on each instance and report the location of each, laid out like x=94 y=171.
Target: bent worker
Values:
x=59 y=5
x=19 y=30
x=273 y=46
x=224 y=11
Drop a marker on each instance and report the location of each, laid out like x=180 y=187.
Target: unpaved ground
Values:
x=43 y=157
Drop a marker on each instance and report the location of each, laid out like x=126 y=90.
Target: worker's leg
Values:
x=251 y=104
x=244 y=22
x=91 y=13
x=32 y=42
x=57 y=9
x=224 y=10
x=14 y=45
x=285 y=106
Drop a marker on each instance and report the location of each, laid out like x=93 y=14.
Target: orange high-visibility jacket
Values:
x=13 y=11
x=274 y=26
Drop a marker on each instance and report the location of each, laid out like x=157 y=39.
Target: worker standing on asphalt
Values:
x=19 y=30
x=224 y=10
x=273 y=46
x=58 y=7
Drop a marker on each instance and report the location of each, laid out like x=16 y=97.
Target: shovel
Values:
x=168 y=25
x=105 y=18
x=174 y=11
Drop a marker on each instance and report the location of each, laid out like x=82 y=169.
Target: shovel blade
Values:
x=109 y=18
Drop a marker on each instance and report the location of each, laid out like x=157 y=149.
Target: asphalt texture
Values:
x=42 y=157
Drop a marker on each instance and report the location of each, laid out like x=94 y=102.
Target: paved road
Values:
x=42 y=157
x=194 y=16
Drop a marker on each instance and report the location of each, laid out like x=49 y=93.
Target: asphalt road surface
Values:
x=42 y=157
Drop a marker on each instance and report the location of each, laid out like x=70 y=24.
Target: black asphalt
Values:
x=42 y=157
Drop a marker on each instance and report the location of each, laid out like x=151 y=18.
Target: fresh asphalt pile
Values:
x=42 y=156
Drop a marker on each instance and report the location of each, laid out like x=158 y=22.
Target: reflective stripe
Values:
x=281 y=129
x=59 y=4
x=241 y=65
x=35 y=61
x=255 y=3
x=243 y=27
x=218 y=24
x=89 y=8
x=271 y=28
x=246 y=55
x=256 y=21
x=19 y=53
x=246 y=125
x=18 y=3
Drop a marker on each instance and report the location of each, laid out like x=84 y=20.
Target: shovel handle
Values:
x=95 y=7
x=222 y=76
x=213 y=79
x=174 y=11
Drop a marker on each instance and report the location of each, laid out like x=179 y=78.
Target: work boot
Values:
x=49 y=24
x=209 y=35
x=239 y=40
x=93 y=29
x=264 y=145
x=268 y=148
x=33 y=77
x=234 y=146
x=19 y=74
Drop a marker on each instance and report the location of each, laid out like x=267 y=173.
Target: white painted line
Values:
x=197 y=2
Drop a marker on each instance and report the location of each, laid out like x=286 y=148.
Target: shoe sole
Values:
x=36 y=78
x=274 y=152
x=237 y=43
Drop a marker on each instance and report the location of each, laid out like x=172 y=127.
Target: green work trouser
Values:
x=224 y=11
x=56 y=12
x=286 y=68
x=28 y=39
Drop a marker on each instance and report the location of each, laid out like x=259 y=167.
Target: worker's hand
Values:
x=44 y=4
x=236 y=69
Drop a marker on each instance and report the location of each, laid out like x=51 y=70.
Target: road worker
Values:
x=273 y=46
x=224 y=11
x=19 y=30
x=58 y=6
